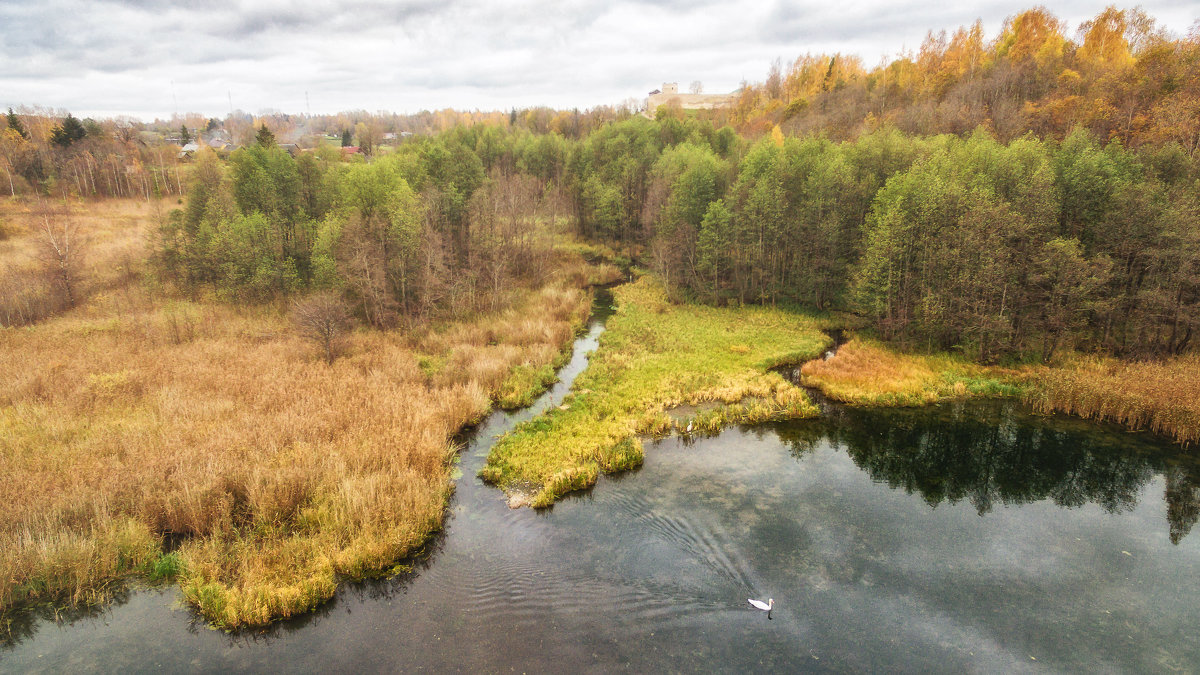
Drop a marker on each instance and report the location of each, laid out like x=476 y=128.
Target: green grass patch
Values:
x=431 y=365
x=656 y=356
x=524 y=384
x=165 y=568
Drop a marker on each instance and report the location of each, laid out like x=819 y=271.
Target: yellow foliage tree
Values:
x=777 y=135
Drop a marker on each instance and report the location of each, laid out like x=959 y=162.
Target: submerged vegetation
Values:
x=657 y=356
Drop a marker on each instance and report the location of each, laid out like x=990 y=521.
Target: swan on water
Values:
x=764 y=606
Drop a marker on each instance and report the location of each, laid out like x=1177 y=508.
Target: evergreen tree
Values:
x=347 y=139
x=93 y=129
x=185 y=136
x=264 y=137
x=14 y=123
x=68 y=132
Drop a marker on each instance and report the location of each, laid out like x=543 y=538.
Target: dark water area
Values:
x=968 y=537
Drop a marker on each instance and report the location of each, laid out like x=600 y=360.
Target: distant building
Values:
x=670 y=94
x=188 y=150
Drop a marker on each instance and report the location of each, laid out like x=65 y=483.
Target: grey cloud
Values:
x=788 y=22
x=372 y=54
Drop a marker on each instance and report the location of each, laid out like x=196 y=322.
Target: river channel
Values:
x=963 y=537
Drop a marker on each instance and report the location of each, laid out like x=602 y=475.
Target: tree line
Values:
x=1121 y=76
x=968 y=243
x=52 y=156
x=996 y=249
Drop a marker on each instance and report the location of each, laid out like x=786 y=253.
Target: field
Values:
x=150 y=434
x=709 y=366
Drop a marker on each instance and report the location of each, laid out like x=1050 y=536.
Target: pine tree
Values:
x=185 y=136
x=68 y=132
x=264 y=137
x=14 y=123
x=347 y=139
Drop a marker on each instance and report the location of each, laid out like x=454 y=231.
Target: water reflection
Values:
x=993 y=453
x=21 y=626
x=1183 y=501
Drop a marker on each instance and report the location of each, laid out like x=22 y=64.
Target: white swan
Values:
x=764 y=606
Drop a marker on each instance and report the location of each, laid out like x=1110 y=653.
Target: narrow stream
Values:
x=967 y=537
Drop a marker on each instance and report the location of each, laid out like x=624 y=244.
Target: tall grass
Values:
x=655 y=356
x=1163 y=397
x=591 y=264
x=134 y=416
x=868 y=373
x=113 y=248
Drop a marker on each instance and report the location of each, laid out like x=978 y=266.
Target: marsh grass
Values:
x=1159 y=396
x=653 y=357
x=525 y=383
x=136 y=417
x=1163 y=397
x=866 y=372
x=590 y=264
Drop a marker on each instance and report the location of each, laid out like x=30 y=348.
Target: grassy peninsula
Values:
x=867 y=372
x=656 y=357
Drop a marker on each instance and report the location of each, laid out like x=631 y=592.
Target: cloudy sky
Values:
x=152 y=58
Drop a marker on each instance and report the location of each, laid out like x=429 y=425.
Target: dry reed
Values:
x=1163 y=397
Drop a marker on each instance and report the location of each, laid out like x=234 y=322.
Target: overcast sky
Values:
x=152 y=58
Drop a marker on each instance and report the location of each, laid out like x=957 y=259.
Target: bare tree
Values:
x=60 y=254
x=504 y=231
x=697 y=87
x=323 y=320
x=10 y=144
